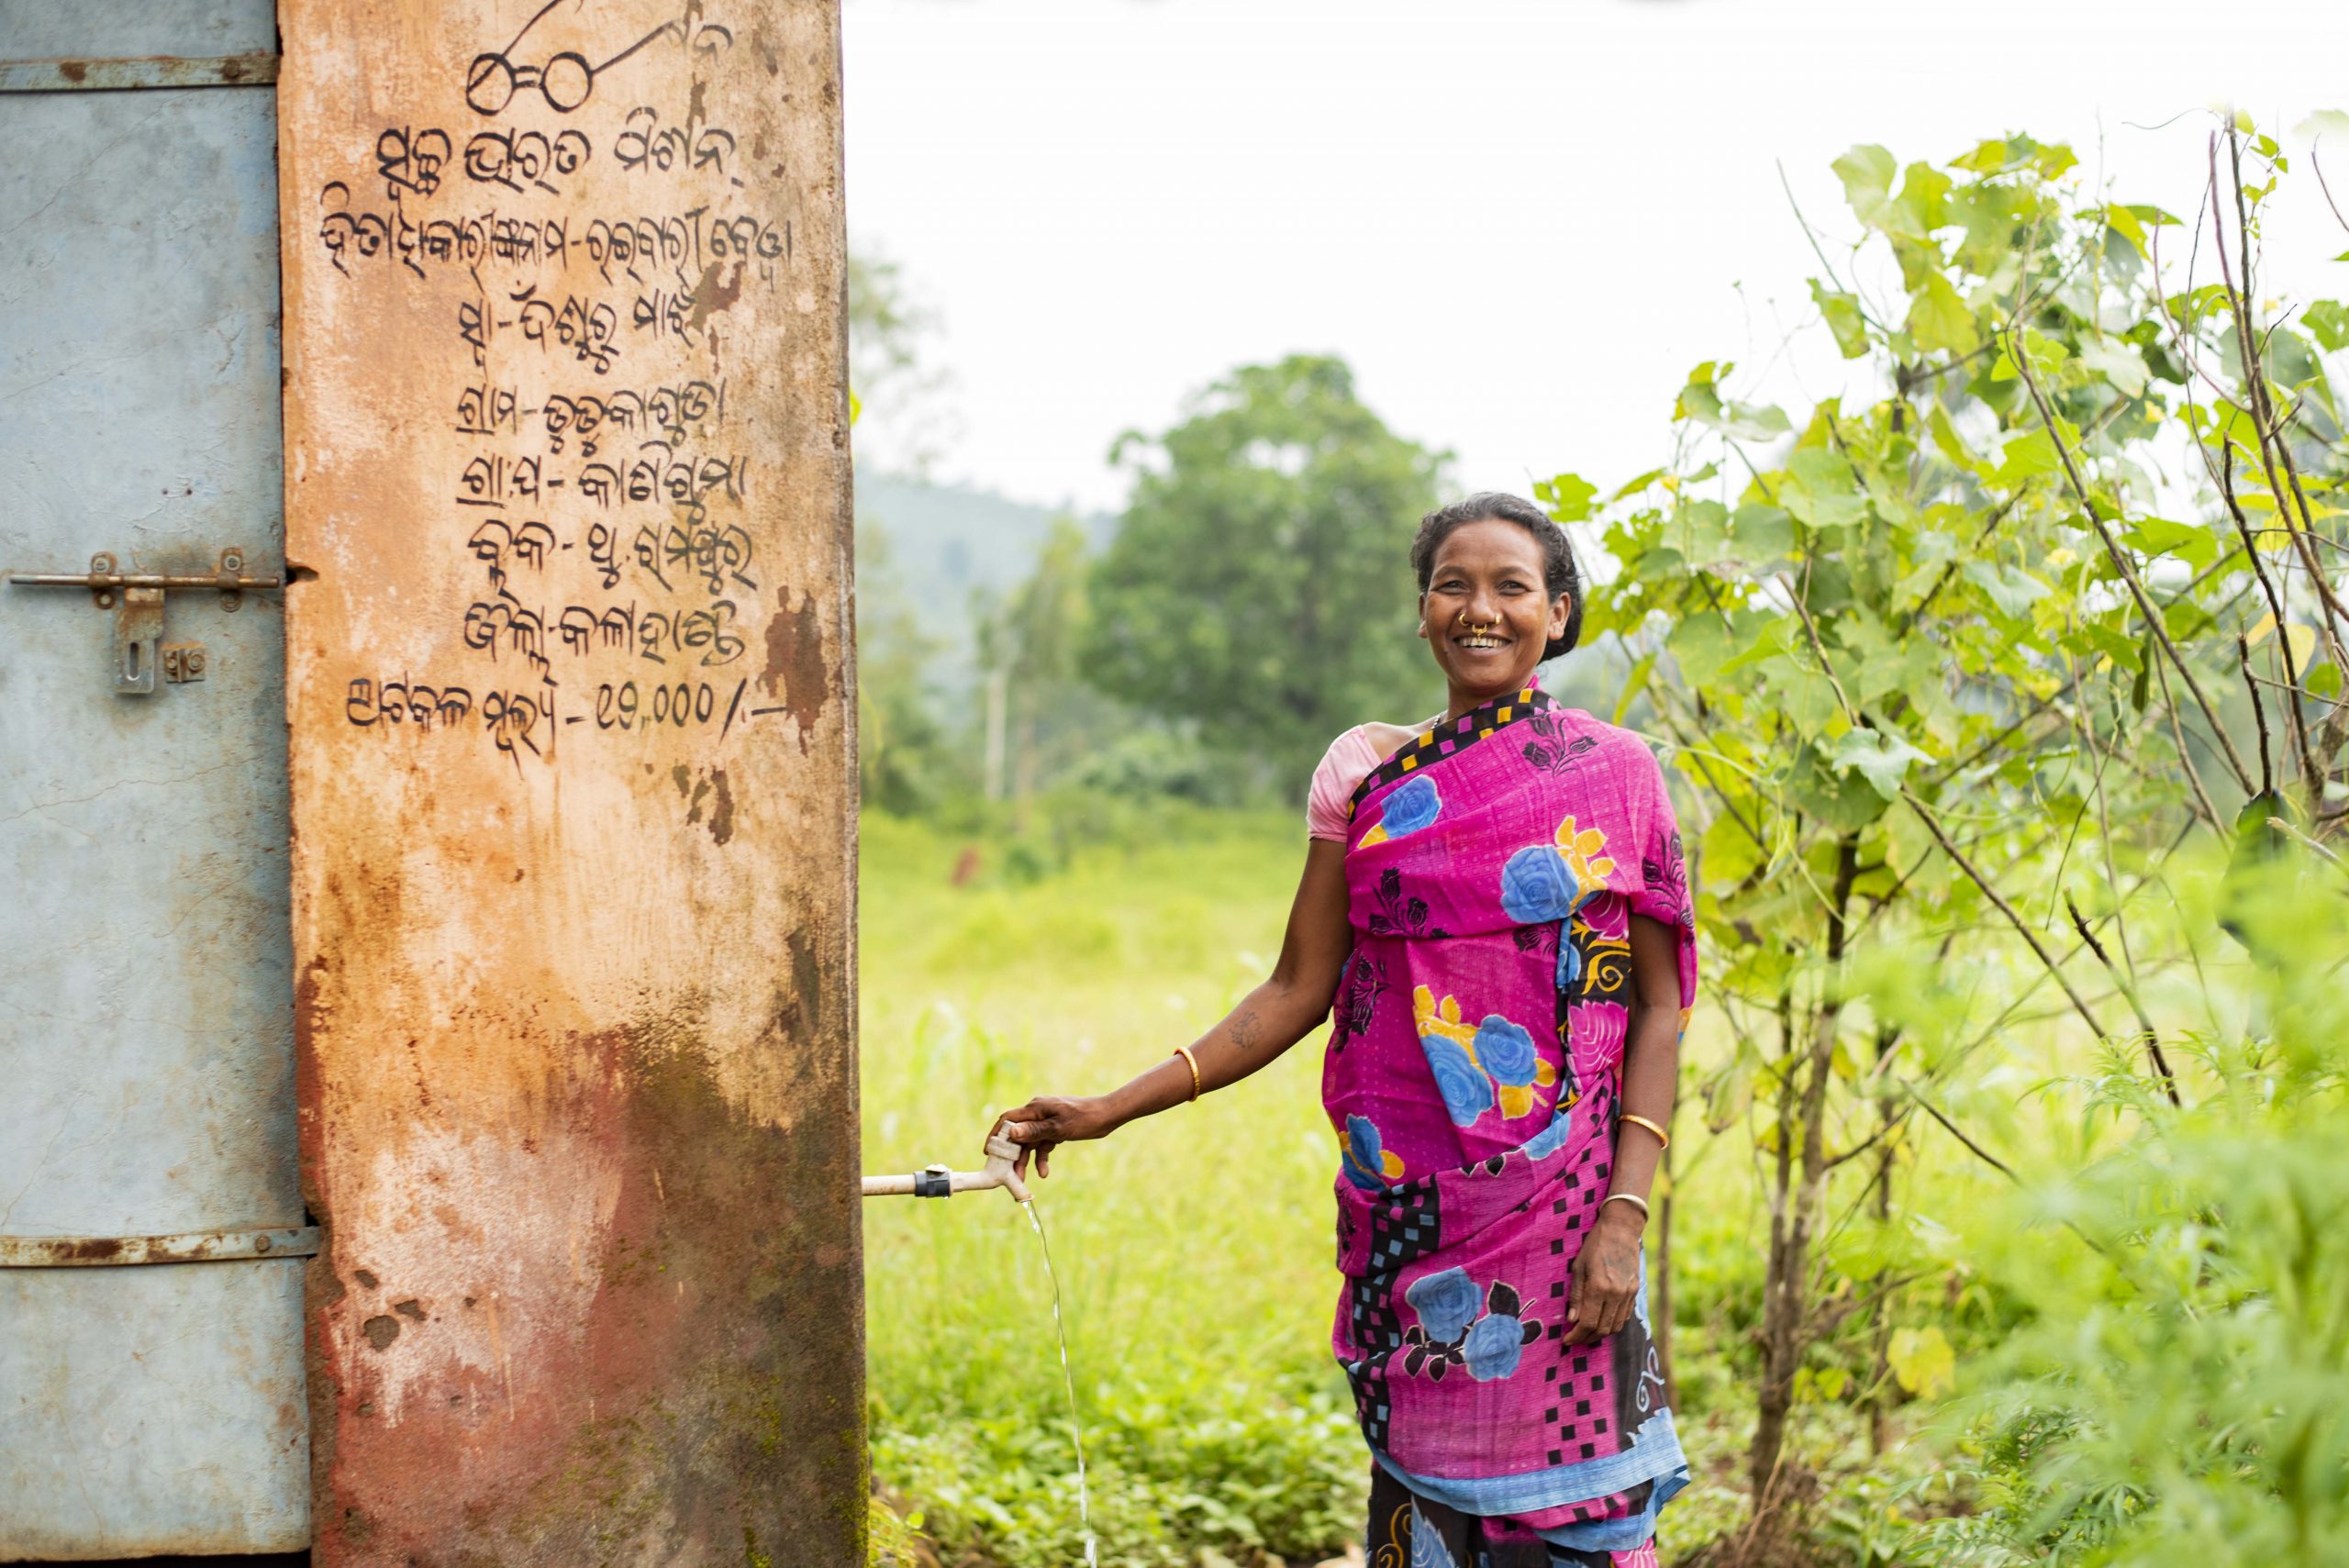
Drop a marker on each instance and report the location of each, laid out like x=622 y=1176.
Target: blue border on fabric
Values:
x=1653 y=1456
x=1624 y=1534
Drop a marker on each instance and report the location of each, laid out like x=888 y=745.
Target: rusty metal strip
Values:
x=193 y=1246
x=152 y=70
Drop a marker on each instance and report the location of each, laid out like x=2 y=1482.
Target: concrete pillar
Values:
x=574 y=786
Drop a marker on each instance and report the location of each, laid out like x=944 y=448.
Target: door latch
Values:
x=136 y=600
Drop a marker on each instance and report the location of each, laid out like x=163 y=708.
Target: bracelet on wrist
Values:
x=1193 y=1063
x=1633 y=1199
x=1663 y=1138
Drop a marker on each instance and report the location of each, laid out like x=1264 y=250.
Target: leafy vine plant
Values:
x=1968 y=679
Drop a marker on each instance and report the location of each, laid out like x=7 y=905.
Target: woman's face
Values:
x=1486 y=613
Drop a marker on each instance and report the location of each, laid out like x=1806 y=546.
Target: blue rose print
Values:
x=1367 y=1164
x=1506 y=1051
x=1551 y=1138
x=1362 y=1143
x=1537 y=886
x=1494 y=1346
x=1451 y=1334
x=1468 y=1093
x=1412 y=807
x=1569 y=960
x=1446 y=1303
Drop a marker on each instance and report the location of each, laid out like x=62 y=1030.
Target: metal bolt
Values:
x=260 y=1243
x=192 y=660
x=105 y=600
x=233 y=561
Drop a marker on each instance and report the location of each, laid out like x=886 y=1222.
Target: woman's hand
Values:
x=1607 y=1276
x=1049 y=1120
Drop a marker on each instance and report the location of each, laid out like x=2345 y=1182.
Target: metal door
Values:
x=147 y=1109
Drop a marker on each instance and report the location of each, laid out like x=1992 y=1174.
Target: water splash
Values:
x=1068 y=1383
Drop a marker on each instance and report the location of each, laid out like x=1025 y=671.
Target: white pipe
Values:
x=999 y=1172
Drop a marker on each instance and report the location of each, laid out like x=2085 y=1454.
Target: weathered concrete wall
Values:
x=573 y=777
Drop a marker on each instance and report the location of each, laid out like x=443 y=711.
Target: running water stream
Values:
x=1068 y=1383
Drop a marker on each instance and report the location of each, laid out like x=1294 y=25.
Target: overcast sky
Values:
x=1521 y=222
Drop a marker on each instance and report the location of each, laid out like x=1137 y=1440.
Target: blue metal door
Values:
x=151 y=1226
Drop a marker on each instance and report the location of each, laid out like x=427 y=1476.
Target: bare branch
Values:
x=1952 y=1129
x=1974 y=873
x=2286 y=829
x=2120 y=562
x=2259 y=711
x=2144 y=1024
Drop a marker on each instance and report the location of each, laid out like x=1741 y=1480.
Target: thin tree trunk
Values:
x=1794 y=1211
x=1880 y=1388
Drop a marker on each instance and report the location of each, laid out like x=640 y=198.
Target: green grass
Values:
x=1194 y=1248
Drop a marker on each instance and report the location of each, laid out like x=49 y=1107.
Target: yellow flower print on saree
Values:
x=1477 y=1067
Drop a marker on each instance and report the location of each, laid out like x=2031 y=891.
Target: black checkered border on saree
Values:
x=1450 y=737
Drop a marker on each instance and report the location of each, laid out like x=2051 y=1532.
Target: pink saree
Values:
x=1473 y=1075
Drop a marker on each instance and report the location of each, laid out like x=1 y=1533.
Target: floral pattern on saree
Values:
x=1497 y=1091
x=1493 y=1063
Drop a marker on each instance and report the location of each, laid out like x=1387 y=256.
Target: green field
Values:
x=1194 y=1248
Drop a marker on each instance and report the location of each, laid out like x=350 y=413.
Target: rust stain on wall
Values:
x=566 y=452
x=795 y=669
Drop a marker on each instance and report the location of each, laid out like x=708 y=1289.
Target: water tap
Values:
x=937 y=1181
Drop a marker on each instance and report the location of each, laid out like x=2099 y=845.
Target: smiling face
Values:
x=1487 y=613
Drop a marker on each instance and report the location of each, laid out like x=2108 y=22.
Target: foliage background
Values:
x=2006 y=705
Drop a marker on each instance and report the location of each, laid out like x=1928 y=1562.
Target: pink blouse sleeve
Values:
x=1347 y=762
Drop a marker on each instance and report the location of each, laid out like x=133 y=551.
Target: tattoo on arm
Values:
x=1246 y=1029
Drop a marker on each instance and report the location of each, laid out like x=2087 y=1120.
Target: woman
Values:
x=1494 y=903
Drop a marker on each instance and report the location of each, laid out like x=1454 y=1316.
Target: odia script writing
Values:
x=575 y=234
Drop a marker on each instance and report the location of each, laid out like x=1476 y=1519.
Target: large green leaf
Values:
x=1702 y=400
x=1842 y=800
x=1880 y=758
x=1923 y=1362
x=1567 y=495
x=2026 y=456
x=2117 y=362
x=1841 y=314
x=1806 y=696
x=1823 y=491
x=1920 y=210
x=1700 y=645
x=2196 y=546
x=1762 y=534
x=2329 y=322
x=2012 y=589
x=1866 y=172
x=1939 y=319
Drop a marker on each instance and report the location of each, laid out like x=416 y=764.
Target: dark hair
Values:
x=1558 y=574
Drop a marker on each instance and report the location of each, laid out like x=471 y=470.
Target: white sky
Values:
x=1521 y=223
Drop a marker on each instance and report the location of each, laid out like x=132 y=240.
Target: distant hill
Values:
x=939 y=542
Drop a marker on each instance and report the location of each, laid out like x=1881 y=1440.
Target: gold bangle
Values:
x=1663 y=1138
x=1193 y=1063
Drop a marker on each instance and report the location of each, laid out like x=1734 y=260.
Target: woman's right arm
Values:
x=1278 y=1012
